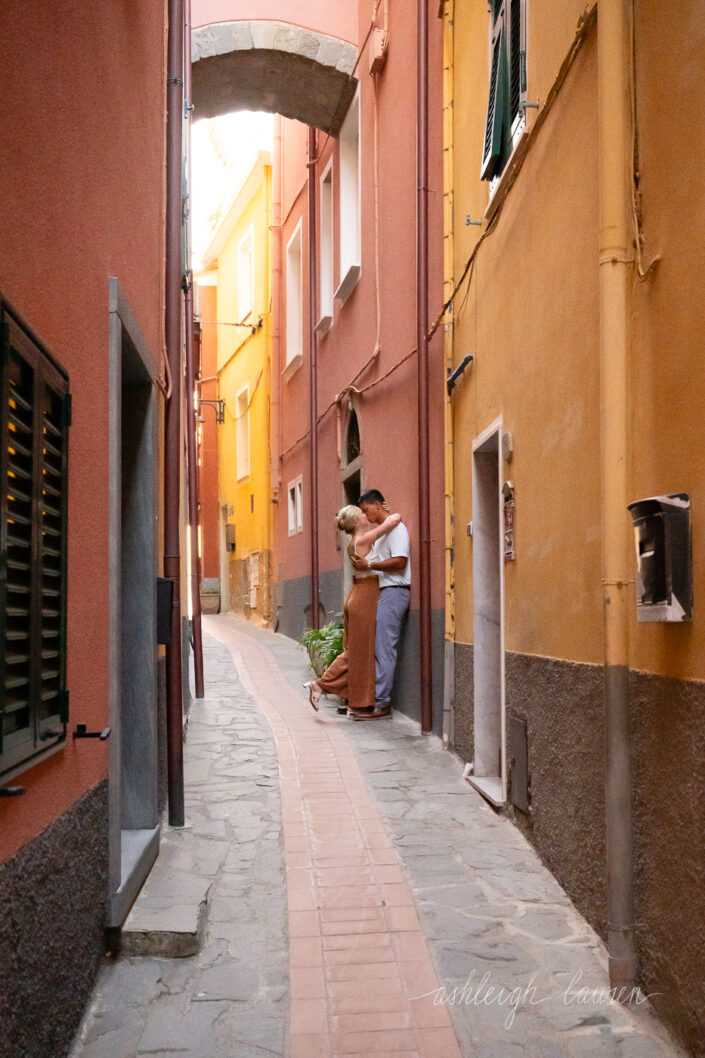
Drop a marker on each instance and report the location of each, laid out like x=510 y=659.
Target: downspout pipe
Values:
x=313 y=372
x=192 y=469
x=425 y=664
x=172 y=417
x=615 y=268
x=277 y=289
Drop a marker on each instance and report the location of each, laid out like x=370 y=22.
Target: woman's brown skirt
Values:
x=352 y=674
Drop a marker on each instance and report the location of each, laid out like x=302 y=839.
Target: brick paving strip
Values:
x=357 y=956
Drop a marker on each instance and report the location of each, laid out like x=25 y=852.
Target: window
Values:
x=505 y=111
x=326 y=252
x=294 y=299
x=295 y=493
x=350 y=239
x=246 y=276
x=34 y=420
x=242 y=432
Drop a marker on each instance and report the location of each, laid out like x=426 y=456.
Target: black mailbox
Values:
x=664 y=563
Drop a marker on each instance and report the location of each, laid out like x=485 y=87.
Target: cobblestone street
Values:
x=362 y=899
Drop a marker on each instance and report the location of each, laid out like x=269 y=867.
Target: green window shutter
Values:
x=496 y=131
x=33 y=505
x=516 y=59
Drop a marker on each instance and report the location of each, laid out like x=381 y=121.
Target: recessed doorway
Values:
x=489 y=766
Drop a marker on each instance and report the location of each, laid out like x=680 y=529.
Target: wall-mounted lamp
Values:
x=453 y=376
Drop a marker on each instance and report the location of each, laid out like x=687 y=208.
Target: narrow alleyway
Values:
x=363 y=899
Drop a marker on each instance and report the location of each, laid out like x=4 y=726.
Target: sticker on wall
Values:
x=508 y=493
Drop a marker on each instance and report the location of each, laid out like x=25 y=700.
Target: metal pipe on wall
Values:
x=192 y=469
x=277 y=289
x=313 y=371
x=172 y=417
x=425 y=662
x=615 y=269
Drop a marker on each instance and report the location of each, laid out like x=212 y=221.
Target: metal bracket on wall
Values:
x=81 y=732
x=218 y=405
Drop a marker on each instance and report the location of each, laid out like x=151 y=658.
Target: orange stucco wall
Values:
x=81 y=172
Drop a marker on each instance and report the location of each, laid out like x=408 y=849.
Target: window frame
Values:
x=294 y=308
x=506 y=119
x=326 y=272
x=246 y=245
x=295 y=505
x=350 y=201
x=242 y=431
x=45 y=577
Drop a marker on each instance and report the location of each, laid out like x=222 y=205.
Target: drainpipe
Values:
x=192 y=468
x=313 y=380
x=277 y=287
x=616 y=260
x=422 y=355
x=172 y=418
x=449 y=462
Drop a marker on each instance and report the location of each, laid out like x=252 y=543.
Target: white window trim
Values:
x=295 y=359
x=295 y=506
x=239 y=465
x=326 y=292
x=248 y=237
x=350 y=248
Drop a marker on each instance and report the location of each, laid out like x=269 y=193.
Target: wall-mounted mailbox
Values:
x=664 y=562
x=230 y=536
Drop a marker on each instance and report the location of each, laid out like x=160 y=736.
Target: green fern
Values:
x=324 y=644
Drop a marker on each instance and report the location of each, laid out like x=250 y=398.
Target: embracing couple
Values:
x=374 y=609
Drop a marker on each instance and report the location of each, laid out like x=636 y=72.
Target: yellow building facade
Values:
x=573 y=256
x=240 y=254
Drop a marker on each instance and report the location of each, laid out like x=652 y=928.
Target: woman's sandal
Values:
x=314 y=696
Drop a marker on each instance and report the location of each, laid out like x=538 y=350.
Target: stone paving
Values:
x=375 y=810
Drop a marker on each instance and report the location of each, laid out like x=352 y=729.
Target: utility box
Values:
x=229 y=536
x=664 y=561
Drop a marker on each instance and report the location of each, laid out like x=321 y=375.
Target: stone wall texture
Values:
x=562 y=703
x=52 y=918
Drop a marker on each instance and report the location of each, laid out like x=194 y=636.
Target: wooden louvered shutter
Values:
x=496 y=131
x=33 y=462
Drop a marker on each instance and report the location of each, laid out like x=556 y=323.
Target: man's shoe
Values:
x=360 y=714
x=376 y=714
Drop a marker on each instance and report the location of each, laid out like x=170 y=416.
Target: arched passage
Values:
x=273 y=66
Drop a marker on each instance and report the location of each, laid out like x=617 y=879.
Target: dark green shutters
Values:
x=33 y=508
x=507 y=85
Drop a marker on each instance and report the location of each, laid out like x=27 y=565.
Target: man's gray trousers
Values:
x=391 y=608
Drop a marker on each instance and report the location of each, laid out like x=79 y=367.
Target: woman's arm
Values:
x=371 y=535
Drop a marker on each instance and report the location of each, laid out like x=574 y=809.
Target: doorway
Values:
x=489 y=767
x=134 y=757
x=351 y=480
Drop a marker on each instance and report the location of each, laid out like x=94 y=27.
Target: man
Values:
x=390 y=557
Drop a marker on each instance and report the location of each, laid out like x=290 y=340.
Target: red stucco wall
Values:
x=81 y=172
x=336 y=18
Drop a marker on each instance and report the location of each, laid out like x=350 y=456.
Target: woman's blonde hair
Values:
x=346 y=518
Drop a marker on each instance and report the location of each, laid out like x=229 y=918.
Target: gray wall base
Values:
x=52 y=919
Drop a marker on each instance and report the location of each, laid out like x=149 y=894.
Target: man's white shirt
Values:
x=393 y=545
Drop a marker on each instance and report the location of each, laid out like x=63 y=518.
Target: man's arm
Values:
x=383 y=565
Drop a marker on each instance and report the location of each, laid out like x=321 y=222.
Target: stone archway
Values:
x=273 y=66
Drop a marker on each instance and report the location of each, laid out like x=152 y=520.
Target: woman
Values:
x=352 y=674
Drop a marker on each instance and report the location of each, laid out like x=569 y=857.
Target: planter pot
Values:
x=210 y=603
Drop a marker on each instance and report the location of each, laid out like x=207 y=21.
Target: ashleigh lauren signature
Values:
x=482 y=993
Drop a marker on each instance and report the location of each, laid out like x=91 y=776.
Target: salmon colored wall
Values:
x=243 y=359
x=388 y=413
x=336 y=18
x=82 y=166
x=208 y=474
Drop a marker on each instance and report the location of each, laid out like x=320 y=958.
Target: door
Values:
x=488 y=616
